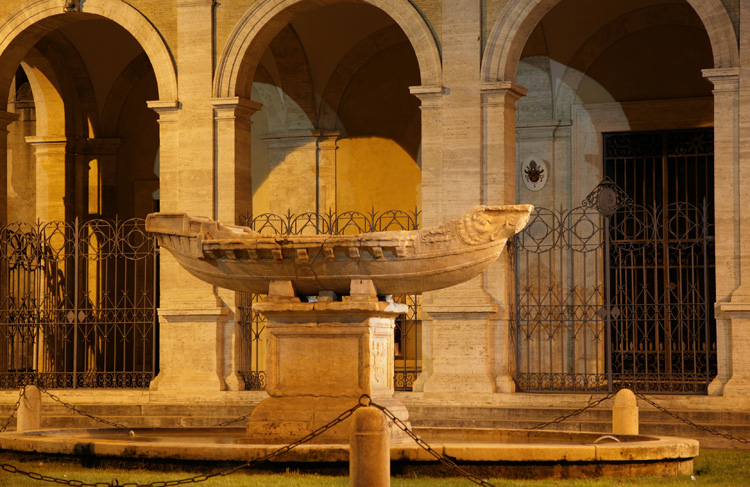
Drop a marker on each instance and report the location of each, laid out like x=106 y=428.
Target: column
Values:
x=462 y=319
x=191 y=315
x=302 y=171
x=232 y=119
x=326 y=168
x=731 y=313
x=499 y=117
x=737 y=309
x=431 y=98
x=50 y=154
x=103 y=191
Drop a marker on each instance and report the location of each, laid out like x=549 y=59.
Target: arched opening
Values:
x=338 y=122
x=338 y=132
x=83 y=171
x=616 y=93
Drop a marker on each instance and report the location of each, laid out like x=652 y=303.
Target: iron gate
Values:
x=407 y=334
x=78 y=305
x=612 y=294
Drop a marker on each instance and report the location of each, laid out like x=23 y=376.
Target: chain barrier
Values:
x=232 y=421
x=82 y=413
x=562 y=418
x=422 y=444
x=198 y=478
x=15 y=410
x=691 y=423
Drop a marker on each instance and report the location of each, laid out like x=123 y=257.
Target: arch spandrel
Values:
x=518 y=19
x=266 y=18
x=22 y=28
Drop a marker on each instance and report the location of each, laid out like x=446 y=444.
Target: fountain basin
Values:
x=487 y=452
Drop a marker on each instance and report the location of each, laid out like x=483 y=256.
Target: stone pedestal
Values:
x=322 y=356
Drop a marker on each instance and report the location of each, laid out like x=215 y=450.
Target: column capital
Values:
x=430 y=96
x=234 y=107
x=494 y=92
x=167 y=110
x=6 y=118
x=724 y=79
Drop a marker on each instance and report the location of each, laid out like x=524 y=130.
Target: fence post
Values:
x=369 y=449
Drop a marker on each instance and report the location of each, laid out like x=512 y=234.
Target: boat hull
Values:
x=396 y=262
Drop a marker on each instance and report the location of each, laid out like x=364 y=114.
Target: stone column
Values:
x=462 y=320
x=726 y=162
x=192 y=318
x=232 y=119
x=104 y=151
x=499 y=118
x=737 y=309
x=303 y=171
x=50 y=176
x=431 y=98
x=326 y=168
x=6 y=118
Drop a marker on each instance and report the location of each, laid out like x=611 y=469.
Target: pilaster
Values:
x=726 y=216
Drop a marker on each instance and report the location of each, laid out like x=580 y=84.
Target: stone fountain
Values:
x=324 y=352
x=330 y=339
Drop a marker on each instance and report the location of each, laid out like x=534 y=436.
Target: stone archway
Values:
x=510 y=33
x=27 y=24
x=264 y=20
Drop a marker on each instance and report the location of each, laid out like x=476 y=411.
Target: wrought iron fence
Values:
x=78 y=305
x=408 y=359
x=612 y=294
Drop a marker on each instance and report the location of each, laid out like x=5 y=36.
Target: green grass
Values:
x=720 y=468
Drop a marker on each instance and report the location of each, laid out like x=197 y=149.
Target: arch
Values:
x=266 y=18
x=350 y=64
x=601 y=40
x=510 y=33
x=23 y=27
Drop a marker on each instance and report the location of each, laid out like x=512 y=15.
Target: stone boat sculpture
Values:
x=401 y=262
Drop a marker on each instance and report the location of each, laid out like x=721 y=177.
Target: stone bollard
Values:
x=30 y=410
x=369 y=449
x=625 y=414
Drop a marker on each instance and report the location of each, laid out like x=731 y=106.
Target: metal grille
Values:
x=612 y=294
x=662 y=261
x=408 y=359
x=78 y=305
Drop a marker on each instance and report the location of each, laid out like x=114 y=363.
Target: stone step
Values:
x=653 y=422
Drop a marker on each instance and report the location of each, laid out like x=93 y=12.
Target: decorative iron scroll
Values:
x=78 y=307
x=408 y=357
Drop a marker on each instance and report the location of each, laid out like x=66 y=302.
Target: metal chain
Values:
x=232 y=421
x=691 y=423
x=82 y=413
x=198 y=478
x=15 y=409
x=419 y=441
x=562 y=418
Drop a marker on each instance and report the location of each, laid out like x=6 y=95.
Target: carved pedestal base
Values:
x=321 y=358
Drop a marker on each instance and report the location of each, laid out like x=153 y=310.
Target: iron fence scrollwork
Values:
x=78 y=305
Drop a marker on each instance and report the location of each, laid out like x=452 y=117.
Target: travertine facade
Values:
x=225 y=108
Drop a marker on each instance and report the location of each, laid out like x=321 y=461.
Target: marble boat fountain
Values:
x=324 y=353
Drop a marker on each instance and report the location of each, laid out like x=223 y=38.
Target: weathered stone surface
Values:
x=404 y=262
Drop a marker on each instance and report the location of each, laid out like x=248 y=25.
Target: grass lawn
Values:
x=712 y=468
